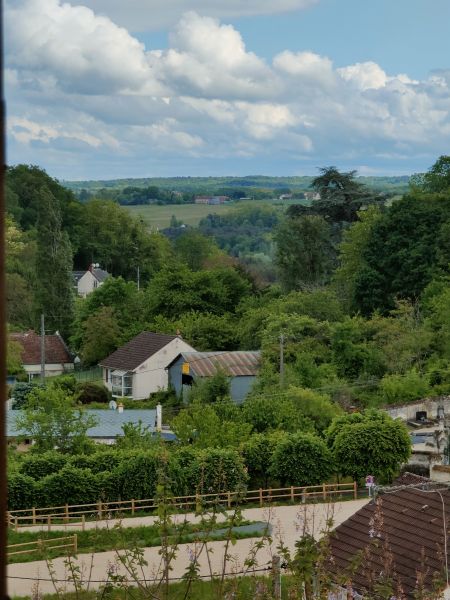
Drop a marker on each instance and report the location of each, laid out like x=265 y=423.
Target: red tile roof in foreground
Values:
x=56 y=351
x=404 y=528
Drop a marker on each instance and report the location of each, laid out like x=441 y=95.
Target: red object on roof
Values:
x=56 y=351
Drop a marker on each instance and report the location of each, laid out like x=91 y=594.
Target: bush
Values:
x=21 y=491
x=211 y=470
x=68 y=383
x=98 y=462
x=403 y=388
x=301 y=459
x=40 y=465
x=21 y=391
x=71 y=486
x=92 y=392
x=136 y=476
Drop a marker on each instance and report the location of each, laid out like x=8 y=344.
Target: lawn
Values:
x=120 y=538
x=158 y=217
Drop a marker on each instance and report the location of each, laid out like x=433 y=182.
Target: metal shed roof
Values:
x=235 y=364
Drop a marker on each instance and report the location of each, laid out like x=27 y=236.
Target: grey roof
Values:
x=77 y=275
x=236 y=364
x=109 y=422
x=137 y=350
x=100 y=275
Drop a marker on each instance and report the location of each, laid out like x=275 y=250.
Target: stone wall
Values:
x=407 y=411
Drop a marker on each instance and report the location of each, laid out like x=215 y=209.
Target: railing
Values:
x=43 y=545
x=76 y=515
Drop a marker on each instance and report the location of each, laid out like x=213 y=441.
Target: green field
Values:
x=158 y=217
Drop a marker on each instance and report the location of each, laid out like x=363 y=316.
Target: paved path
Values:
x=288 y=522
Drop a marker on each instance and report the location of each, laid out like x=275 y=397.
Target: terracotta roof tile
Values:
x=56 y=351
x=408 y=524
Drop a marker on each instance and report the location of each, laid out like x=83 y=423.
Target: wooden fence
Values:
x=41 y=546
x=76 y=515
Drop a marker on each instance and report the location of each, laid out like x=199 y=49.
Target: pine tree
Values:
x=54 y=287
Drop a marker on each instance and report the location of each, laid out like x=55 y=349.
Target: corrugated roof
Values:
x=236 y=364
x=56 y=351
x=137 y=350
x=406 y=526
x=109 y=422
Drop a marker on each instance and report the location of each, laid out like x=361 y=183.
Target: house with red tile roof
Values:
x=58 y=358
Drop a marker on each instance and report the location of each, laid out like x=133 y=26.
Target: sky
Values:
x=105 y=89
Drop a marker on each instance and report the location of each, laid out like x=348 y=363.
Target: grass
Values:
x=239 y=588
x=158 y=217
x=120 y=538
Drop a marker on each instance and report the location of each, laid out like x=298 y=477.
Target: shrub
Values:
x=21 y=391
x=301 y=459
x=98 y=462
x=70 y=485
x=21 y=491
x=92 y=392
x=40 y=465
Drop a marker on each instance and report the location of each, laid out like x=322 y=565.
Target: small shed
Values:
x=241 y=367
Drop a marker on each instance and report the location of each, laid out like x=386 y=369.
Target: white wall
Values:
x=50 y=369
x=407 y=412
x=152 y=376
x=87 y=284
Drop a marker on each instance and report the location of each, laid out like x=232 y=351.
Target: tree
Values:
x=51 y=421
x=301 y=459
x=341 y=196
x=355 y=240
x=303 y=252
x=101 y=335
x=14 y=357
x=396 y=264
x=369 y=444
x=54 y=283
x=437 y=178
x=257 y=451
x=193 y=248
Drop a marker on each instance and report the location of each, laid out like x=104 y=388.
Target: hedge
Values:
x=40 y=465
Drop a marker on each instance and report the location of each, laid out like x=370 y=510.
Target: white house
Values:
x=139 y=368
x=58 y=358
x=88 y=281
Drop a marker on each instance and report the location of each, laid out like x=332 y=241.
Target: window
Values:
x=121 y=384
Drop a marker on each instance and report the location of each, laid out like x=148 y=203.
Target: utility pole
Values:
x=138 y=278
x=42 y=348
x=282 y=360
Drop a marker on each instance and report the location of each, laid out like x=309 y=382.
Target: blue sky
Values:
x=105 y=89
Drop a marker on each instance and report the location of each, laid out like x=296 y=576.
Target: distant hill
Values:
x=199 y=185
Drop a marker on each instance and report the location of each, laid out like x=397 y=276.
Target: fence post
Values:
x=132 y=506
x=34 y=515
x=324 y=491
x=75 y=543
x=197 y=503
x=67 y=513
x=229 y=499
x=16 y=523
x=83 y=522
x=276 y=575
x=99 y=509
x=292 y=493
x=49 y=522
x=260 y=497
x=355 y=490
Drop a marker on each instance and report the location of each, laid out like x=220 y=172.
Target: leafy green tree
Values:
x=257 y=451
x=136 y=436
x=399 y=265
x=354 y=242
x=211 y=389
x=301 y=459
x=303 y=252
x=437 y=178
x=403 y=387
x=202 y=427
x=341 y=195
x=13 y=357
x=270 y=412
x=369 y=444
x=54 y=284
x=51 y=420
x=125 y=304
x=101 y=335
x=193 y=248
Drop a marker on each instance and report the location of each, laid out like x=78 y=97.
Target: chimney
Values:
x=91 y=267
x=120 y=407
x=158 y=417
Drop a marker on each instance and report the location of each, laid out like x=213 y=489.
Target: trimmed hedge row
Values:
x=52 y=479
